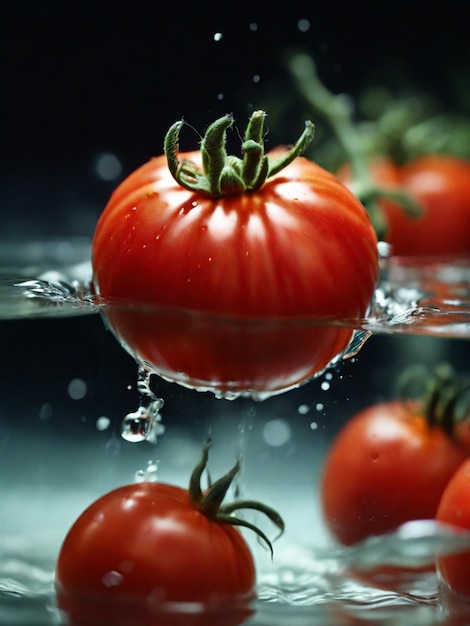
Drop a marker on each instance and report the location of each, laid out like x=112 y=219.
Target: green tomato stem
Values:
x=441 y=392
x=223 y=174
x=210 y=502
x=336 y=110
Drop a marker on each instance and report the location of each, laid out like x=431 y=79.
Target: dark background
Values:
x=79 y=78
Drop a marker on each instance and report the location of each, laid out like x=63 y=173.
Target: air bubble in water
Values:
x=276 y=432
x=77 y=389
x=325 y=385
x=218 y=37
x=107 y=166
x=303 y=409
x=303 y=25
x=102 y=423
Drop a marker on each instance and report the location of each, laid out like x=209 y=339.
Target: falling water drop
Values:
x=136 y=426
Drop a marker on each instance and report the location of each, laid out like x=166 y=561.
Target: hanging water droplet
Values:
x=143 y=424
x=135 y=426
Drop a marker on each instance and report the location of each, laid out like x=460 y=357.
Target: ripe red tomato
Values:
x=386 y=467
x=239 y=292
x=145 y=545
x=440 y=185
x=153 y=550
x=454 y=508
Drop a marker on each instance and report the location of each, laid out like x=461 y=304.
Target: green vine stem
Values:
x=336 y=110
x=440 y=393
x=223 y=174
x=210 y=502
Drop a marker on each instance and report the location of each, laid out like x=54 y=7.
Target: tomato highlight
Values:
x=237 y=275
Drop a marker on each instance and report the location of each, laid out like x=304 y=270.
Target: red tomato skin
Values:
x=256 y=268
x=386 y=467
x=440 y=184
x=454 y=508
x=145 y=547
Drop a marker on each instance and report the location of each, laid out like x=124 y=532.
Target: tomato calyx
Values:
x=209 y=502
x=441 y=394
x=223 y=174
x=337 y=111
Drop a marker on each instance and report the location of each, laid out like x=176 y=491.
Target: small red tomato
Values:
x=238 y=276
x=156 y=550
x=440 y=186
x=386 y=467
x=454 y=508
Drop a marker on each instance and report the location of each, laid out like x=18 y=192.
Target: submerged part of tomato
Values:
x=160 y=550
x=244 y=293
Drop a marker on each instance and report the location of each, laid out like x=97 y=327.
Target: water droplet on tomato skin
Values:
x=112 y=579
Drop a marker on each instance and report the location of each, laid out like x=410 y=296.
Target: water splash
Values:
x=300 y=577
x=430 y=297
x=145 y=423
x=149 y=474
